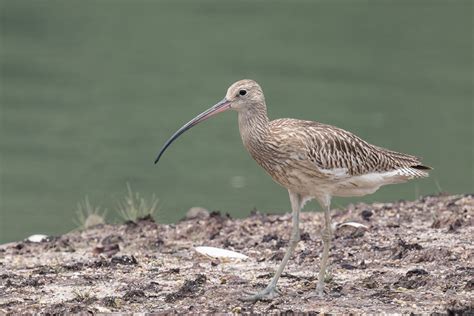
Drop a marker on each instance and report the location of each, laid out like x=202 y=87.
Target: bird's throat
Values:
x=253 y=126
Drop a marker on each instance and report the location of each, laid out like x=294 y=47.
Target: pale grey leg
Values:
x=326 y=236
x=271 y=291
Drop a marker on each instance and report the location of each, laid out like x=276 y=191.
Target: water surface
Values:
x=90 y=90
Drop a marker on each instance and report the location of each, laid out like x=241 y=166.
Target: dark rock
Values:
x=146 y=219
x=416 y=271
x=366 y=214
x=413 y=279
x=133 y=295
x=111 y=301
x=158 y=242
x=228 y=244
x=305 y=237
x=348 y=266
x=19 y=246
x=189 y=288
x=281 y=243
x=269 y=237
x=125 y=260
x=77 y=266
x=101 y=263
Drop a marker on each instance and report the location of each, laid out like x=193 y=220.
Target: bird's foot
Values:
x=268 y=294
x=320 y=290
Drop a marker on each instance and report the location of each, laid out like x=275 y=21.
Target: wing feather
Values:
x=332 y=148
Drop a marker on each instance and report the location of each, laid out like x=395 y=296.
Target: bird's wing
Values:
x=340 y=153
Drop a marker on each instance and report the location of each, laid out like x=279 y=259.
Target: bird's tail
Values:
x=416 y=171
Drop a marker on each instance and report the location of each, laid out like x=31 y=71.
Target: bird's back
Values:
x=306 y=153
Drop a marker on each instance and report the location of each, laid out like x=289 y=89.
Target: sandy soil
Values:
x=415 y=257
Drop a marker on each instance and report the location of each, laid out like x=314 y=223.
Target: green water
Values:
x=90 y=90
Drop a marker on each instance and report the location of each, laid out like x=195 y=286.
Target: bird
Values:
x=311 y=160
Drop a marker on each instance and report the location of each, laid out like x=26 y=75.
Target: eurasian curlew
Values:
x=311 y=160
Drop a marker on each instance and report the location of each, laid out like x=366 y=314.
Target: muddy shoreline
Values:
x=413 y=257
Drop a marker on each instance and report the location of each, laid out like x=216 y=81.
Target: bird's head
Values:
x=243 y=96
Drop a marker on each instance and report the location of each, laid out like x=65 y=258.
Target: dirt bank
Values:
x=415 y=256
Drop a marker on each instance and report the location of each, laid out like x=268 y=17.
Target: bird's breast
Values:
x=289 y=169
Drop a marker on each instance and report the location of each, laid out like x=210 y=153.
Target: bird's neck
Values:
x=253 y=126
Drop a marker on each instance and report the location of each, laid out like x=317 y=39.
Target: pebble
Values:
x=197 y=213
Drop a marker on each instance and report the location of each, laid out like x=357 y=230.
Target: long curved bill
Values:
x=222 y=106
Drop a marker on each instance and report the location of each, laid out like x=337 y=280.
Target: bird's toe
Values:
x=267 y=294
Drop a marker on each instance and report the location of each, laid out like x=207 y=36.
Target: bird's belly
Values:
x=367 y=183
x=305 y=181
x=313 y=182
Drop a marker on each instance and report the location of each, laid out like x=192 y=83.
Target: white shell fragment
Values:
x=37 y=238
x=353 y=224
x=220 y=253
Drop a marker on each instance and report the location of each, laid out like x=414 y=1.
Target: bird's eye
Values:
x=243 y=92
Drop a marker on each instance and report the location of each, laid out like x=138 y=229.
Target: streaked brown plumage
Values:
x=313 y=148
x=312 y=160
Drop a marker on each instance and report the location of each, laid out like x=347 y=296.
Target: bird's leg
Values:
x=326 y=236
x=271 y=290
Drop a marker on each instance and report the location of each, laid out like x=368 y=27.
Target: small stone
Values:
x=125 y=260
x=348 y=266
x=269 y=237
x=37 y=238
x=416 y=271
x=237 y=310
x=305 y=237
x=197 y=213
x=366 y=214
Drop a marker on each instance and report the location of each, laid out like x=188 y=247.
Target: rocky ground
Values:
x=412 y=257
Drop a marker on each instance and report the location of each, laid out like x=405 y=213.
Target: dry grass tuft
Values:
x=134 y=207
x=88 y=216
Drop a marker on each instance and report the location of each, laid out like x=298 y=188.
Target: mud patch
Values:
x=413 y=257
